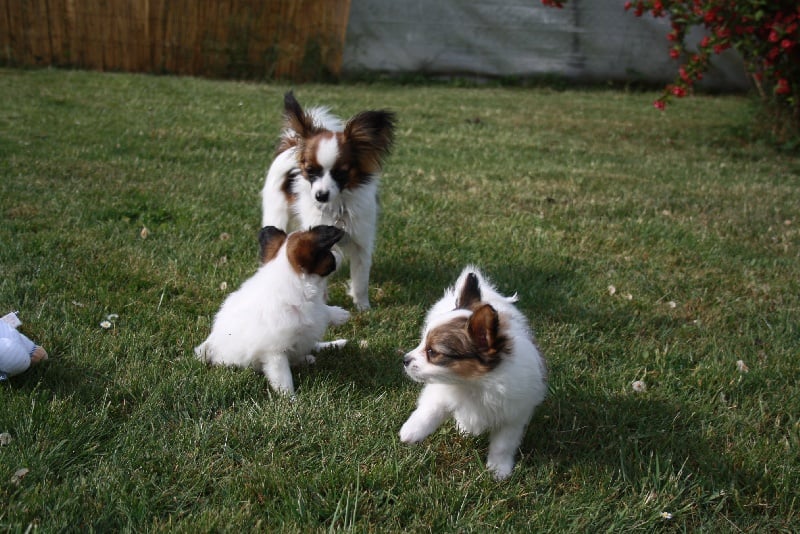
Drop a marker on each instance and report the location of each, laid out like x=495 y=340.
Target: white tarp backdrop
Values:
x=587 y=40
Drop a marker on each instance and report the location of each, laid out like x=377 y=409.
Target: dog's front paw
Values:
x=500 y=468
x=411 y=433
x=360 y=297
x=338 y=316
x=310 y=360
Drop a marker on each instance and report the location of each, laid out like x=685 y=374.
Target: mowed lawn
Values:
x=653 y=247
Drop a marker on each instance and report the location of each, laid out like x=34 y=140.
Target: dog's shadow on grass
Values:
x=647 y=443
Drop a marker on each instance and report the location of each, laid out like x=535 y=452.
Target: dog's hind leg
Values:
x=335 y=344
x=503 y=447
x=276 y=368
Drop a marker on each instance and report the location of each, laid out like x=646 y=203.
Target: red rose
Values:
x=783 y=87
x=678 y=91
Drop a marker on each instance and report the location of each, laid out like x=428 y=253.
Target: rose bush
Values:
x=766 y=34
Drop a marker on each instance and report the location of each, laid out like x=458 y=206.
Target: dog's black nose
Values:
x=407 y=360
x=322 y=196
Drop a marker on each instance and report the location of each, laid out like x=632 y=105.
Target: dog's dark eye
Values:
x=339 y=175
x=429 y=353
x=313 y=172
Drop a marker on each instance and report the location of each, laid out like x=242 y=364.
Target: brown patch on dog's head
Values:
x=307 y=154
x=347 y=171
x=270 y=239
x=309 y=252
x=469 y=346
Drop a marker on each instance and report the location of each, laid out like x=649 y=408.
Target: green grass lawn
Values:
x=660 y=247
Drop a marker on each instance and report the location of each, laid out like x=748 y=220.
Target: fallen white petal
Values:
x=19 y=474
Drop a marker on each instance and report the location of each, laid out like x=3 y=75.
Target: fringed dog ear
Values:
x=483 y=327
x=270 y=239
x=470 y=293
x=371 y=134
x=297 y=120
x=326 y=236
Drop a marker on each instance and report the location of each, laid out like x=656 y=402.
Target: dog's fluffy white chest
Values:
x=477 y=410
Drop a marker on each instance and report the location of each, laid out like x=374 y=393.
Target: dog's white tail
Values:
x=274 y=205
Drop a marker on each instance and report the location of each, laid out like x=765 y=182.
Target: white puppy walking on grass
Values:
x=480 y=365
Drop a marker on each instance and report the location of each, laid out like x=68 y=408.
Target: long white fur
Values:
x=274 y=320
x=501 y=401
x=353 y=210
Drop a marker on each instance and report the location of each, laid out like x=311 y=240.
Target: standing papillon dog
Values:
x=480 y=365
x=326 y=172
x=279 y=315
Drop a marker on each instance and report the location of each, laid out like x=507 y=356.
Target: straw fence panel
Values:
x=295 y=39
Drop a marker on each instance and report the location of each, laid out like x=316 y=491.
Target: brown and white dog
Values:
x=480 y=365
x=327 y=172
x=279 y=315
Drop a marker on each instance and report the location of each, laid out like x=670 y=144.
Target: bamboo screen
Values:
x=294 y=39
